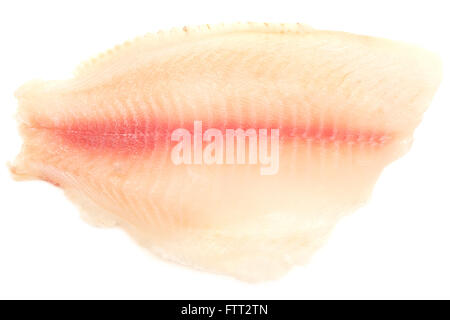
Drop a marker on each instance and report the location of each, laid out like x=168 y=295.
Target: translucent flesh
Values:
x=346 y=106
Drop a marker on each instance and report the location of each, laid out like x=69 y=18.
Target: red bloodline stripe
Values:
x=102 y=134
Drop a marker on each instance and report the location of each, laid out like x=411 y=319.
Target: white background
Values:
x=398 y=246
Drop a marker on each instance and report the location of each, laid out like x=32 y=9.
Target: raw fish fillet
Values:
x=344 y=106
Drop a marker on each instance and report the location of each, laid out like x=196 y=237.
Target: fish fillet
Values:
x=338 y=107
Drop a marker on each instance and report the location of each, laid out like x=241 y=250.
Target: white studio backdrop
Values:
x=397 y=246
